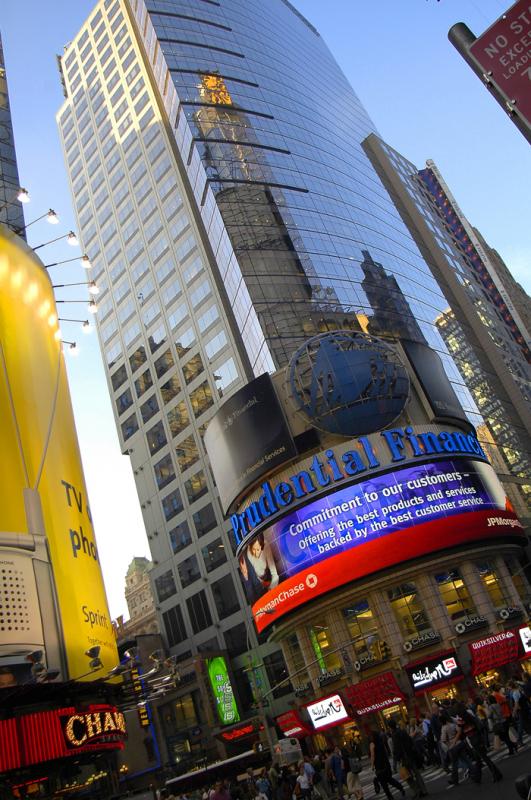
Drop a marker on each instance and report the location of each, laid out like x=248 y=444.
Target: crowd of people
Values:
x=455 y=736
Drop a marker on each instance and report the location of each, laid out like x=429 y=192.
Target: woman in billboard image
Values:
x=251 y=585
x=262 y=561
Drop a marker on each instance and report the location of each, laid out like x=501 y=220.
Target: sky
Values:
x=424 y=100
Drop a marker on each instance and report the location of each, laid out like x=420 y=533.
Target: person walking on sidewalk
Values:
x=381 y=766
x=404 y=752
x=474 y=739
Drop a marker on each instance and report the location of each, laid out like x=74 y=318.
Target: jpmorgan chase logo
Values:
x=348 y=383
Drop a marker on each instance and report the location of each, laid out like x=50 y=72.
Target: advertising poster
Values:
x=218 y=676
x=377 y=522
x=40 y=453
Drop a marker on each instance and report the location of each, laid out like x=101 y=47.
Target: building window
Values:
x=200 y=615
x=185 y=712
x=174 y=626
x=226 y=374
x=196 y=486
x=156 y=437
x=170 y=389
x=291 y=643
x=201 y=399
x=213 y=555
x=187 y=453
x=164 y=363
x=157 y=338
x=149 y=408
x=364 y=634
x=119 y=377
x=236 y=639
x=277 y=673
x=143 y=383
x=129 y=427
x=165 y=586
x=193 y=368
x=138 y=358
x=185 y=341
x=164 y=472
x=124 y=401
x=172 y=504
x=408 y=609
x=519 y=580
x=225 y=597
x=178 y=418
x=180 y=536
x=455 y=594
x=189 y=571
x=322 y=646
x=204 y=520
x=493 y=584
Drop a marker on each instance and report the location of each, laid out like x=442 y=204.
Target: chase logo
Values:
x=348 y=383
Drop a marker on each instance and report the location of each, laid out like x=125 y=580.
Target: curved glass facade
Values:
x=279 y=129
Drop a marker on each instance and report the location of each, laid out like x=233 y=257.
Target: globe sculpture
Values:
x=348 y=383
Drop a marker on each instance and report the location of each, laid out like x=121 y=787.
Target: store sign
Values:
x=499 y=649
x=329 y=676
x=241 y=732
x=302 y=689
x=525 y=638
x=470 y=623
x=141 y=705
x=508 y=612
x=374 y=694
x=369 y=526
x=421 y=639
x=83 y=729
x=327 y=712
x=437 y=671
x=291 y=725
x=222 y=688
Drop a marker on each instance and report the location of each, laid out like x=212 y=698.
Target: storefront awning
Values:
x=374 y=694
x=292 y=725
x=499 y=649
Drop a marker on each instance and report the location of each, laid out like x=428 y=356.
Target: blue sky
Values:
x=425 y=102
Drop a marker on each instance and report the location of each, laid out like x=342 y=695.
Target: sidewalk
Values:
x=436 y=780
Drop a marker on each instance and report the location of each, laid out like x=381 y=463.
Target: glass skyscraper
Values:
x=11 y=213
x=229 y=212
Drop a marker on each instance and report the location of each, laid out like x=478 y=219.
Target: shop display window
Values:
x=322 y=646
x=455 y=594
x=493 y=584
x=408 y=609
x=519 y=580
x=363 y=631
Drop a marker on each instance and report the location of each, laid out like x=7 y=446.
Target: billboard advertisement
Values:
x=435 y=384
x=40 y=455
x=327 y=712
x=385 y=519
x=437 y=671
x=247 y=438
x=221 y=685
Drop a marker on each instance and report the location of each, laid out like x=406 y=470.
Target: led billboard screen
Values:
x=218 y=676
x=383 y=520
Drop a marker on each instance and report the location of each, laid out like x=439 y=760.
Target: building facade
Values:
x=140 y=602
x=484 y=324
x=11 y=213
x=229 y=212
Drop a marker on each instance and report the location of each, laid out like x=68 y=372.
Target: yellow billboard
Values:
x=39 y=451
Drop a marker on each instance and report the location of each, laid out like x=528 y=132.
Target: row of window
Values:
x=409 y=612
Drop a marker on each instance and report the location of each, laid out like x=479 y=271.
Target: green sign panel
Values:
x=223 y=692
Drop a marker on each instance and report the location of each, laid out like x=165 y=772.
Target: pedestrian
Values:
x=354 y=786
x=263 y=785
x=474 y=739
x=381 y=766
x=303 y=785
x=220 y=791
x=452 y=737
x=482 y=718
x=404 y=752
x=274 y=777
x=337 y=767
x=500 y=723
x=507 y=714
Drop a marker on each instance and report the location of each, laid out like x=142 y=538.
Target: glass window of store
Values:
x=408 y=609
x=455 y=594
x=364 y=634
x=492 y=582
x=323 y=646
x=519 y=580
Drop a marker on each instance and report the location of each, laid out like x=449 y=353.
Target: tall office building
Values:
x=484 y=326
x=229 y=212
x=11 y=213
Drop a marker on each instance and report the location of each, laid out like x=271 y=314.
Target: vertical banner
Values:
x=40 y=452
x=218 y=677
